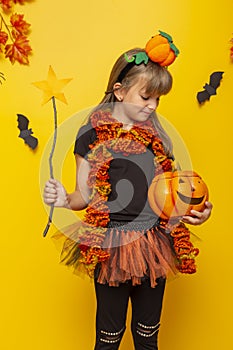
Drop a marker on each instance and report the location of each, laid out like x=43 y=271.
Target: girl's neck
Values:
x=119 y=115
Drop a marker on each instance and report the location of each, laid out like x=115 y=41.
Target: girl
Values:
x=122 y=242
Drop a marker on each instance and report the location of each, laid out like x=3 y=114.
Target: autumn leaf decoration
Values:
x=14 y=31
x=231 y=49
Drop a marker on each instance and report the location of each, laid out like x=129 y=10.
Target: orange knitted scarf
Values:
x=111 y=136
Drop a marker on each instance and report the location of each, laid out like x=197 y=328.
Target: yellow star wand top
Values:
x=52 y=90
x=52 y=87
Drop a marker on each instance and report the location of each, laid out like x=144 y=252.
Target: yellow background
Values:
x=45 y=306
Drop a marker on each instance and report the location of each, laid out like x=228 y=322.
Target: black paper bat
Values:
x=210 y=89
x=26 y=133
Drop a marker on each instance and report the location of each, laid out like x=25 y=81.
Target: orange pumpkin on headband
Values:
x=174 y=194
x=161 y=49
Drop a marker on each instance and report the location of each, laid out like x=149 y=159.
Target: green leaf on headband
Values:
x=140 y=57
x=129 y=59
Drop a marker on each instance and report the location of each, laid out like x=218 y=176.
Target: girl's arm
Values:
x=198 y=217
x=55 y=193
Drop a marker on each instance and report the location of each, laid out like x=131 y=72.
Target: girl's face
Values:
x=136 y=105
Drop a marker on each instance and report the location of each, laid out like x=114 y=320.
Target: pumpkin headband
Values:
x=159 y=49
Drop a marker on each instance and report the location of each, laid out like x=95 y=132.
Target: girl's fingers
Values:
x=198 y=217
x=51 y=186
x=49 y=200
x=54 y=193
x=197 y=214
x=209 y=205
x=51 y=183
x=191 y=220
x=50 y=190
x=50 y=195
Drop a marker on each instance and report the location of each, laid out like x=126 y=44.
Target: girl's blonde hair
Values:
x=158 y=81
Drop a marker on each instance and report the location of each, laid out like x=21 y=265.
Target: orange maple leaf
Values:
x=231 y=49
x=6 y=5
x=21 y=2
x=3 y=40
x=3 y=37
x=19 y=24
x=231 y=53
x=19 y=50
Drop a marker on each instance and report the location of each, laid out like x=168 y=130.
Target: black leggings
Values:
x=112 y=303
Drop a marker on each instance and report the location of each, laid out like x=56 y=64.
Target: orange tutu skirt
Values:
x=135 y=254
x=137 y=250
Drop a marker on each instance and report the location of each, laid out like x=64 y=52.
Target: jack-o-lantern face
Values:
x=174 y=194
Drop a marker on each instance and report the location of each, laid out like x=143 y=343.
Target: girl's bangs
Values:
x=158 y=81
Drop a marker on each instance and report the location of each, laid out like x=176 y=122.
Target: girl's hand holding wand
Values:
x=55 y=194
